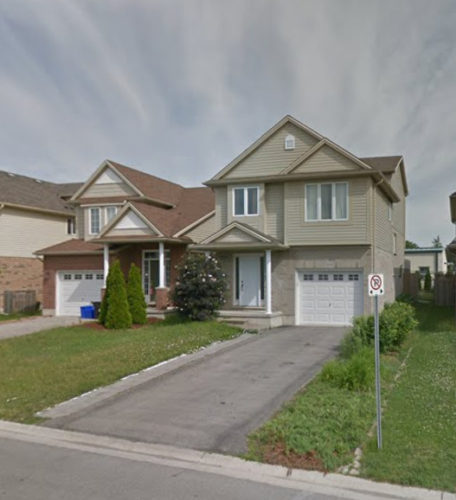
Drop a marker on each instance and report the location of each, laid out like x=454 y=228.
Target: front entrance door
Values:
x=249 y=280
x=151 y=278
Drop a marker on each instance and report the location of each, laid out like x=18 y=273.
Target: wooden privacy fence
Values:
x=19 y=301
x=411 y=283
x=445 y=290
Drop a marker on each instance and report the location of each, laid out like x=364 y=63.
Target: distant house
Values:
x=452 y=245
x=424 y=260
x=33 y=214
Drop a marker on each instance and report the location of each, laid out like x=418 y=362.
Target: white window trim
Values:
x=90 y=220
x=333 y=204
x=292 y=140
x=246 y=201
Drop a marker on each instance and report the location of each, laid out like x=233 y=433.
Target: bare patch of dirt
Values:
x=94 y=325
x=277 y=454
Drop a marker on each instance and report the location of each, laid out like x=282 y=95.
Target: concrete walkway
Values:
x=35 y=324
x=214 y=403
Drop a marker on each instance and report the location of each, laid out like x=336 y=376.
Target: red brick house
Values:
x=129 y=215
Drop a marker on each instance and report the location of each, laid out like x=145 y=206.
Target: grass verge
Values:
x=43 y=369
x=15 y=316
x=419 y=438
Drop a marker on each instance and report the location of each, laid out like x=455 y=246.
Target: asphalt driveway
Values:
x=214 y=404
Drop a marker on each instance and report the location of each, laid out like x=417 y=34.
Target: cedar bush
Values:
x=136 y=301
x=117 y=312
x=104 y=301
x=200 y=287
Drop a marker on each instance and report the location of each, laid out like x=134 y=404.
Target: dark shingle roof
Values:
x=26 y=191
x=382 y=163
x=70 y=247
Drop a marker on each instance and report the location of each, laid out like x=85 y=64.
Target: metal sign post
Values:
x=376 y=288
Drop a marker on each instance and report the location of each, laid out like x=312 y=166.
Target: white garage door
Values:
x=76 y=289
x=329 y=297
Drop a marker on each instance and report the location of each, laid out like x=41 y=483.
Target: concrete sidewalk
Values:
x=25 y=326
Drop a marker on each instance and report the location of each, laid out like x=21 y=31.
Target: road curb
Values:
x=301 y=480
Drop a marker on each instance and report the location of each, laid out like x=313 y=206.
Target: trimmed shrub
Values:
x=135 y=295
x=406 y=298
x=104 y=302
x=117 y=313
x=427 y=281
x=200 y=287
x=355 y=374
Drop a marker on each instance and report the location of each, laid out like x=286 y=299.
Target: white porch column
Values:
x=161 y=265
x=105 y=263
x=268 y=282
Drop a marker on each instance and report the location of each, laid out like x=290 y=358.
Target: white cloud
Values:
x=179 y=88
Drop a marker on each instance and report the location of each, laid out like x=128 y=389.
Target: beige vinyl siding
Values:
x=79 y=214
x=274 y=210
x=236 y=236
x=272 y=157
x=23 y=232
x=138 y=231
x=326 y=160
x=203 y=230
x=383 y=227
x=221 y=209
x=255 y=221
x=353 y=231
x=108 y=189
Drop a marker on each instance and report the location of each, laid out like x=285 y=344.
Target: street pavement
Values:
x=213 y=404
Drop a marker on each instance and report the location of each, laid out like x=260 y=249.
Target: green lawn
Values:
x=40 y=370
x=419 y=422
x=9 y=317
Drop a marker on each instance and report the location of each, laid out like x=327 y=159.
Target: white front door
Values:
x=249 y=280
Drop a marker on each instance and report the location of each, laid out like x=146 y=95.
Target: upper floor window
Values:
x=390 y=211
x=110 y=213
x=245 y=201
x=290 y=142
x=71 y=225
x=327 y=201
x=95 y=220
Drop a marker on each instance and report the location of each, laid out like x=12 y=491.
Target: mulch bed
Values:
x=94 y=325
x=277 y=454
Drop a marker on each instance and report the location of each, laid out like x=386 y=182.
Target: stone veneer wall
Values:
x=21 y=273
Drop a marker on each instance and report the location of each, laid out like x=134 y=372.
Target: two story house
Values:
x=129 y=215
x=300 y=223
x=297 y=222
x=33 y=213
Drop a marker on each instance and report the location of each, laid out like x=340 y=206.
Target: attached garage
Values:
x=328 y=297
x=77 y=288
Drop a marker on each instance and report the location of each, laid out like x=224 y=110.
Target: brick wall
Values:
x=54 y=263
x=21 y=273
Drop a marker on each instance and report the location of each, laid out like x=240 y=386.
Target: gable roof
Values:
x=35 y=194
x=191 y=206
x=146 y=186
x=385 y=164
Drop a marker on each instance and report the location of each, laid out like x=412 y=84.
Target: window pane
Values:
x=311 y=202
x=252 y=208
x=110 y=213
x=238 y=202
x=94 y=220
x=341 y=201
x=326 y=201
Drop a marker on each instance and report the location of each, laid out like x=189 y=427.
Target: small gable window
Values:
x=290 y=142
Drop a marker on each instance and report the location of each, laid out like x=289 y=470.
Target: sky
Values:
x=179 y=88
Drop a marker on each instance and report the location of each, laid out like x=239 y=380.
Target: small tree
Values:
x=410 y=244
x=117 y=312
x=104 y=301
x=200 y=287
x=436 y=243
x=427 y=281
x=136 y=301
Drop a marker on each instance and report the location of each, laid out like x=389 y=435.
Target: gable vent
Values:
x=290 y=142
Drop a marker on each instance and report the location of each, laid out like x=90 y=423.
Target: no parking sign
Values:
x=376 y=284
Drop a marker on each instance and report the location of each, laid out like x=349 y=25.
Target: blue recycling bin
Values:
x=87 y=312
